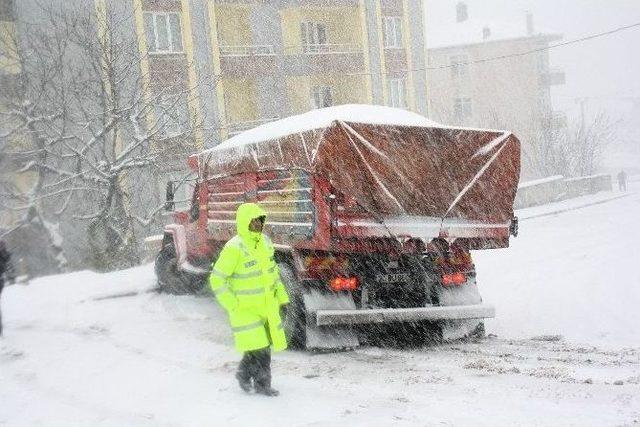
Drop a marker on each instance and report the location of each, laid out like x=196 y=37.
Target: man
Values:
x=6 y=269
x=246 y=282
x=622 y=180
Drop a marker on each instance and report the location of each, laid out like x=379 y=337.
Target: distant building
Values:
x=512 y=93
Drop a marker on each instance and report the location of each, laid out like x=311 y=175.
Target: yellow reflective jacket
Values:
x=246 y=282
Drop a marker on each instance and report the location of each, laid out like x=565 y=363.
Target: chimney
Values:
x=486 y=33
x=529 y=23
x=461 y=12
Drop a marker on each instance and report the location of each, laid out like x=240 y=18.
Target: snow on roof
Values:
x=443 y=30
x=321 y=118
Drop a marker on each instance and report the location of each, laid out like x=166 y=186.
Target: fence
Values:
x=557 y=187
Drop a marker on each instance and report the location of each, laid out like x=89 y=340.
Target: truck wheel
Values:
x=296 y=320
x=170 y=279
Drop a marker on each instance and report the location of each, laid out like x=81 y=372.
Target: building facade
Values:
x=495 y=76
x=251 y=62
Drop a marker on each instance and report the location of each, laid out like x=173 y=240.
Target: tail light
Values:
x=343 y=284
x=454 y=279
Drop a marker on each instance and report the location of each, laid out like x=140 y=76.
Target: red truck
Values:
x=373 y=212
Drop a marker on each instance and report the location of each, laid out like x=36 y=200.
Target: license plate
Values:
x=392 y=278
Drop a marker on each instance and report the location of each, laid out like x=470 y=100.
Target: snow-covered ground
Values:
x=72 y=358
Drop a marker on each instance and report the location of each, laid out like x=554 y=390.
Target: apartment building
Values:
x=251 y=62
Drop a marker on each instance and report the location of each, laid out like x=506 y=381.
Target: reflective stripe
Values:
x=221 y=290
x=218 y=273
x=243 y=248
x=248 y=327
x=250 y=263
x=254 y=291
x=246 y=275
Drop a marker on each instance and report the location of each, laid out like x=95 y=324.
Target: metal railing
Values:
x=331 y=48
x=247 y=50
x=238 y=127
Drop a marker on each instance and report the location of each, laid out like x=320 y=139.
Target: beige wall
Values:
x=241 y=102
x=345 y=90
x=233 y=23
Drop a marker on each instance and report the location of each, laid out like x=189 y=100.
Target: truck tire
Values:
x=296 y=319
x=170 y=278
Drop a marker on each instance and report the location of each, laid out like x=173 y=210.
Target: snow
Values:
x=540 y=181
x=322 y=118
x=74 y=356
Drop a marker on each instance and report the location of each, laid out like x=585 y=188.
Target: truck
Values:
x=373 y=212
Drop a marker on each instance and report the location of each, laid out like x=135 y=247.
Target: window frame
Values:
x=310 y=36
x=392 y=27
x=459 y=65
x=397 y=92
x=465 y=109
x=170 y=33
x=320 y=92
x=175 y=113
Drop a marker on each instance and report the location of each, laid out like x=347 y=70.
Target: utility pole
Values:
x=583 y=103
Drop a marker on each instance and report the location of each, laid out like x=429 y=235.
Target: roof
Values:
x=323 y=117
x=443 y=30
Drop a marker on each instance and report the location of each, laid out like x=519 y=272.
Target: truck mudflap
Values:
x=386 y=315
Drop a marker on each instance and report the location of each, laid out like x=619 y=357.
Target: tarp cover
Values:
x=392 y=170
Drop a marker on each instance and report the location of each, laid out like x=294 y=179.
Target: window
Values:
x=321 y=97
x=172 y=115
x=462 y=14
x=392 y=32
x=459 y=65
x=313 y=36
x=163 y=31
x=462 y=108
x=397 y=93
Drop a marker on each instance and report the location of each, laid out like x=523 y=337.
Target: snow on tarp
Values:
x=394 y=163
x=322 y=118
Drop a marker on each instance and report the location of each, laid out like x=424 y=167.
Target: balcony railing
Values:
x=248 y=50
x=330 y=48
x=238 y=127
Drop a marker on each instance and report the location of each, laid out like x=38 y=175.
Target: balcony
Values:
x=238 y=127
x=323 y=49
x=324 y=59
x=552 y=78
x=247 y=50
x=247 y=60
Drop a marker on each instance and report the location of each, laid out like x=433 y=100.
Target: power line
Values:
x=511 y=55
x=540 y=49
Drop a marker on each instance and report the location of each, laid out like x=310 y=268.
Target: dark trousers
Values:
x=256 y=364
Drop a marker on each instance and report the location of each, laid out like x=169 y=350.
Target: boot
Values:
x=262 y=378
x=266 y=390
x=244 y=382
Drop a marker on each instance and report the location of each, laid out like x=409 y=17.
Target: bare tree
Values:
x=82 y=122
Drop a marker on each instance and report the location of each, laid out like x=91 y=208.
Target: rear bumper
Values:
x=385 y=315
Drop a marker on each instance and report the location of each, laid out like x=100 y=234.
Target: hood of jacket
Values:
x=244 y=215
